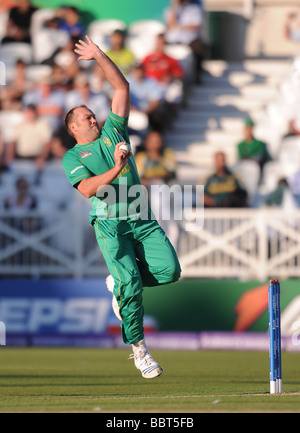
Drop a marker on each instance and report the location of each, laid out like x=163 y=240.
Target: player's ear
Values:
x=73 y=128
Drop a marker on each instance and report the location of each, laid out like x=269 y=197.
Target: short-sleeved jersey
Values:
x=162 y=168
x=92 y=159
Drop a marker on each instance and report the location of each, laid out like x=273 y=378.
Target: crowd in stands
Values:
x=157 y=84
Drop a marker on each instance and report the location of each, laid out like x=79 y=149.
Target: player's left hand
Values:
x=86 y=51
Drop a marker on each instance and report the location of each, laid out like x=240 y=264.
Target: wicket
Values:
x=275 y=337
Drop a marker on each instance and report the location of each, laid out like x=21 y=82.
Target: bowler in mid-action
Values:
x=136 y=250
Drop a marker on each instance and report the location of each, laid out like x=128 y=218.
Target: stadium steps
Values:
x=213 y=117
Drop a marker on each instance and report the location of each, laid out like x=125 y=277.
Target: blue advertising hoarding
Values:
x=60 y=312
x=56 y=312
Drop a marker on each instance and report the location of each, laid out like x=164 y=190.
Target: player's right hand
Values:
x=86 y=51
x=121 y=156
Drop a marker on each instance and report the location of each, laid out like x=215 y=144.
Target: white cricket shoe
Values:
x=146 y=364
x=110 y=283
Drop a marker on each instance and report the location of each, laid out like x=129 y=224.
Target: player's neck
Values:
x=87 y=140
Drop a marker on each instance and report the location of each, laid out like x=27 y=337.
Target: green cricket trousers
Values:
x=138 y=254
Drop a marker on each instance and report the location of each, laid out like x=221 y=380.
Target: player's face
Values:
x=85 y=126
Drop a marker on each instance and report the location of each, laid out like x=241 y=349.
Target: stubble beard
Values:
x=95 y=133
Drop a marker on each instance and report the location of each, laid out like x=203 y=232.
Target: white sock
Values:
x=139 y=345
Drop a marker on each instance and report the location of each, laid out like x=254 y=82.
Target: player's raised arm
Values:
x=121 y=98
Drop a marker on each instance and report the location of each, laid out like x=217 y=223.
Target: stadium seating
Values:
x=141 y=36
x=182 y=53
x=38 y=19
x=151 y=28
x=12 y=51
x=46 y=41
x=100 y=31
x=138 y=121
x=35 y=73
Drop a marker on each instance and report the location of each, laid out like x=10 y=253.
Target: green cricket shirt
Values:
x=92 y=159
x=254 y=149
x=221 y=187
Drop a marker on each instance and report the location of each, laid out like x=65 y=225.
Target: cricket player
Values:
x=136 y=250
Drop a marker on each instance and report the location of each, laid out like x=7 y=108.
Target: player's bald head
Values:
x=71 y=116
x=81 y=124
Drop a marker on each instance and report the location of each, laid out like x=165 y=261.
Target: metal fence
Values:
x=233 y=243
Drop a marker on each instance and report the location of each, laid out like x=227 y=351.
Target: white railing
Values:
x=243 y=243
x=235 y=243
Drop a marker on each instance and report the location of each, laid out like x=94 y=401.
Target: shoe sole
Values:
x=156 y=373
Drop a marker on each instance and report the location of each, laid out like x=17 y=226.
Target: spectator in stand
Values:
x=70 y=21
x=12 y=93
x=60 y=143
x=184 y=22
x=252 y=148
x=99 y=83
x=276 y=197
x=168 y=73
x=22 y=200
x=157 y=166
x=19 y=21
x=222 y=188
x=293 y=125
x=49 y=39
x=158 y=65
x=30 y=139
x=82 y=95
x=49 y=101
x=118 y=53
x=63 y=55
x=60 y=79
x=66 y=59
x=146 y=97
x=292 y=27
x=20 y=203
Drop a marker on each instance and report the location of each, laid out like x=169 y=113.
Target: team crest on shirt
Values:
x=107 y=141
x=85 y=154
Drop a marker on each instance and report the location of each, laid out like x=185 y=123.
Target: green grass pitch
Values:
x=104 y=380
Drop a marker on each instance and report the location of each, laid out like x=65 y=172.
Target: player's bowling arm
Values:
x=89 y=187
x=121 y=98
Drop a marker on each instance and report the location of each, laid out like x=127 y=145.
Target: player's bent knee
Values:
x=173 y=273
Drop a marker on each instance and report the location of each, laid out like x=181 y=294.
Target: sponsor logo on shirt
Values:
x=107 y=141
x=77 y=168
x=85 y=154
x=125 y=170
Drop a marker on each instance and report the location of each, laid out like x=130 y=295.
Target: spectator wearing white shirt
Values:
x=30 y=139
x=184 y=22
x=146 y=96
x=292 y=26
x=82 y=95
x=50 y=102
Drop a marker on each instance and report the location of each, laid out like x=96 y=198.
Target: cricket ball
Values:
x=125 y=147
